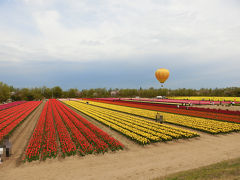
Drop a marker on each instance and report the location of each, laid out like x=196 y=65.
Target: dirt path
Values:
x=20 y=138
x=231 y=108
x=151 y=161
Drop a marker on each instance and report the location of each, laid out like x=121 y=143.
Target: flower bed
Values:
x=5 y=106
x=206 y=125
x=188 y=112
x=61 y=128
x=141 y=130
x=12 y=117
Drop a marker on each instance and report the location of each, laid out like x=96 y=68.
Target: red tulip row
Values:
x=111 y=142
x=96 y=133
x=10 y=112
x=34 y=147
x=66 y=143
x=60 y=127
x=82 y=144
x=49 y=145
x=188 y=112
x=12 y=117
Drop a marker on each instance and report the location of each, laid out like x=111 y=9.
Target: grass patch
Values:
x=225 y=170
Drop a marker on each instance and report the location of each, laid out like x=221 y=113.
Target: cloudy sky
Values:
x=119 y=44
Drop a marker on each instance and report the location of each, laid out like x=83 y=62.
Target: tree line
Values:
x=38 y=93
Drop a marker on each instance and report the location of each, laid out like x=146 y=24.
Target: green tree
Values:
x=4 y=92
x=57 y=92
x=72 y=93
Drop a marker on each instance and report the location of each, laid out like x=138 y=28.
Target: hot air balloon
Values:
x=162 y=75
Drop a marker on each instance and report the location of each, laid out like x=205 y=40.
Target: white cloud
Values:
x=38 y=2
x=95 y=30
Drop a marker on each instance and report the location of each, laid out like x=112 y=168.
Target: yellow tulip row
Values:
x=137 y=128
x=110 y=122
x=206 y=125
x=206 y=98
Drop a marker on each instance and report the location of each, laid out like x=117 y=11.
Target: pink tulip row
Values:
x=5 y=106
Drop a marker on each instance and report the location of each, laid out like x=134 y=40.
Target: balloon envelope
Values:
x=162 y=75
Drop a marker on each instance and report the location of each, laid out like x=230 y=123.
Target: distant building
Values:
x=114 y=93
x=12 y=93
x=161 y=97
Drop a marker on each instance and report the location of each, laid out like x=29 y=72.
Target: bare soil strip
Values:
x=231 y=108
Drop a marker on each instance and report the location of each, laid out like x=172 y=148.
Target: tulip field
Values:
x=12 y=117
x=206 y=125
x=5 y=106
x=67 y=127
x=62 y=131
x=223 y=115
x=207 y=98
x=138 y=129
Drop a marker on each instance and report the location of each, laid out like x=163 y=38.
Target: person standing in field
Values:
x=8 y=146
x=157 y=116
x=1 y=153
x=161 y=119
